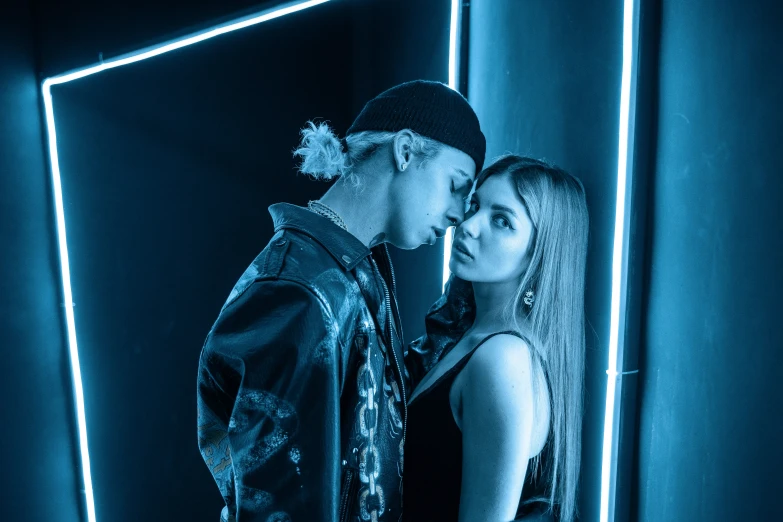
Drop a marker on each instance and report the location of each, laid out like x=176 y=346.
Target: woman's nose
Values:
x=470 y=226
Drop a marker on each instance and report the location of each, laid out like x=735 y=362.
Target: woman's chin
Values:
x=458 y=269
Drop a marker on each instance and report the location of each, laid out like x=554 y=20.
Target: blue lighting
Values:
x=619 y=266
x=228 y=27
x=453 y=48
x=143 y=54
x=453 y=44
x=68 y=297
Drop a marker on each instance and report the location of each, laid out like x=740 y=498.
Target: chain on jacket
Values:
x=300 y=390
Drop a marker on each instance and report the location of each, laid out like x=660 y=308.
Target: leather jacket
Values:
x=301 y=388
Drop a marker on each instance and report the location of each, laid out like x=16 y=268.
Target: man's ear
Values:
x=401 y=149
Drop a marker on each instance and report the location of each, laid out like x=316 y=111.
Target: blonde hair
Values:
x=555 y=202
x=324 y=158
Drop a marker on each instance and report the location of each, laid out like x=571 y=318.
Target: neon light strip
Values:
x=619 y=274
x=66 y=279
x=453 y=46
x=149 y=52
x=263 y=16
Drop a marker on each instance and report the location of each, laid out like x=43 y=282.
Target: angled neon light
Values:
x=619 y=264
x=453 y=48
x=137 y=56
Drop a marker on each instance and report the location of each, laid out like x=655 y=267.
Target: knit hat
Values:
x=430 y=109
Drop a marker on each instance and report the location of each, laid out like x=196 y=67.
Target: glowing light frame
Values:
x=620 y=259
x=143 y=54
x=456 y=12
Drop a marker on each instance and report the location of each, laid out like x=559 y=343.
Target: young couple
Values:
x=308 y=397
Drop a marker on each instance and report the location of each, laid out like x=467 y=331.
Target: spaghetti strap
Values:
x=464 y=361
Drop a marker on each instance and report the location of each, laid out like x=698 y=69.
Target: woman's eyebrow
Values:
x=497 y=206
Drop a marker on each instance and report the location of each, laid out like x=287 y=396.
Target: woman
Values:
x=495 y=423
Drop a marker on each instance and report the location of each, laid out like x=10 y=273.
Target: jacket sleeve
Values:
x=268 y=401
x=445 y=323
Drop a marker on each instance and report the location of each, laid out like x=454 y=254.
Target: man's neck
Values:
x=365 y=215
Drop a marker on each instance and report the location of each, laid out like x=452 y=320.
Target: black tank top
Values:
x=432 y=477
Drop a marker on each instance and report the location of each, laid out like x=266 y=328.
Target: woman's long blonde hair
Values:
x=555 y=202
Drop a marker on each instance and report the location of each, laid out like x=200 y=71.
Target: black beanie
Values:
x=430 y=109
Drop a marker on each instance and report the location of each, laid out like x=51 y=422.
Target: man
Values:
x=301 y=389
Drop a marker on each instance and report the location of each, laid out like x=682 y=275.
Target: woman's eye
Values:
x=503 y=222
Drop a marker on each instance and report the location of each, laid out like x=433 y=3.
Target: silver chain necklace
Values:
x=322 y=210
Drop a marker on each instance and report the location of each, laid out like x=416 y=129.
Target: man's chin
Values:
x=404 y=245
x=412 y=243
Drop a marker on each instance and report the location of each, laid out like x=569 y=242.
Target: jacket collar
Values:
x=454 y=312
x=343 y=246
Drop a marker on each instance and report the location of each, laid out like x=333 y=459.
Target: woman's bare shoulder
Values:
x=499 y=374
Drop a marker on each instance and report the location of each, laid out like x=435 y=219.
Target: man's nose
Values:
x=455 y=217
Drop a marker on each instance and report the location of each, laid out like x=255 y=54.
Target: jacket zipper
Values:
x=394 y=353
x=401 y=335
x=347 y=494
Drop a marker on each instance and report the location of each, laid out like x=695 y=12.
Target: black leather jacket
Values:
x=301 y=388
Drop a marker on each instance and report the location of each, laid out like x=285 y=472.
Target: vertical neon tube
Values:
x=619 y=272
x=453 y=49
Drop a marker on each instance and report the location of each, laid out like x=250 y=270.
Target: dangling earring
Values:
x=530 y=298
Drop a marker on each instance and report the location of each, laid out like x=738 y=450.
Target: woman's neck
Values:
x=492 y=304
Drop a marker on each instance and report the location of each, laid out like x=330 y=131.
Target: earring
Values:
x=530 y=298
x=403 y=166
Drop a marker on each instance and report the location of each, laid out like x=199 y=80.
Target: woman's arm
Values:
x=497 y=424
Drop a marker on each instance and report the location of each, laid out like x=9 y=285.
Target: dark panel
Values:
x=545 y=80
x=40 y=477
x=393 y=42
x=168 y=168
x=710 y=427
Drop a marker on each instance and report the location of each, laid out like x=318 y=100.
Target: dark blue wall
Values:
x=38 y=480
x=710 y=424
x=168 y=167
